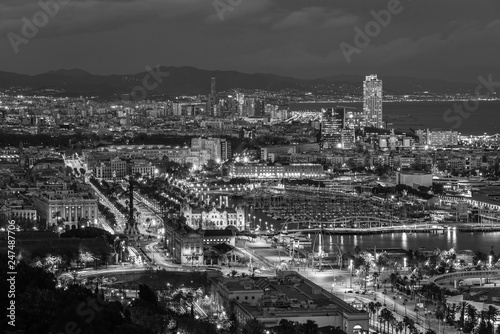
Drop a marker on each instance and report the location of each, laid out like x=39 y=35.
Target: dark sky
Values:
x=449 y=39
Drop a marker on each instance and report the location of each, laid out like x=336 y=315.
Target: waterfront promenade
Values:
x=347 y=286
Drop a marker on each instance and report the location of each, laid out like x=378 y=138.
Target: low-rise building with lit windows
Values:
x=217 y=218
x=118 y=168
x=276 y=171
x=288 y=296
x=217 y=237
x=67 y=206
x=183 y=244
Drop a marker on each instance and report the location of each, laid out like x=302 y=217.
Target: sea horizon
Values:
x=428 y=115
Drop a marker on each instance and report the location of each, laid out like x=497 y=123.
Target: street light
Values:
x=350 y=267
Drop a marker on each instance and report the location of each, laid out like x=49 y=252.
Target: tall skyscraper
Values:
x=332 y=123
x=372 y=101
x=213 y=108
x=212 y=87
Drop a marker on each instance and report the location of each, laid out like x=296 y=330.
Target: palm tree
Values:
x=372 y=310
x=451 y=310
x=472 y=318
x=381 y=321
x=408 y=323
x=440 y=312
x=367 y=261
x=378 y=306
x=399 y=327
x=462 y=309
x=385 y=317
x=492 y=313
x=393 y=322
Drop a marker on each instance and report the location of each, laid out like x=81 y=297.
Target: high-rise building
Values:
x=252 y=107
x=213 y=108
x=219 y=149
x=372 y=101
x=332 y=123
x=212 y=87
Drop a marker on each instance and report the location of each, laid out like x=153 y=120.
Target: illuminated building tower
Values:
x=332 y=123
x=252 y=107
x=131 y=227
x=212 y=107
x=212 y=87
x=372 y=101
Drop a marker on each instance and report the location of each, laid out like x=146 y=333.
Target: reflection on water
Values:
x=404 y=241
x=452 y=238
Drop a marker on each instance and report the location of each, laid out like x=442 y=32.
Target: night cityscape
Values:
x=250 y=167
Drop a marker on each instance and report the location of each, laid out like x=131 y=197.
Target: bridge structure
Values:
x=359 y=225
x=460 y=275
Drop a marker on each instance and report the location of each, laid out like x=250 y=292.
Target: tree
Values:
x=286 y=327
x=408 y=323
x=253 y=327
x=385 y=317
x=493 y=314
x=393 y=277
x=372 y=309
x=450 y=313
x=148 y=295
x=51 y=262
x=310 y=327
x=364 y=261
x=472 y=318
x=382 y=261
x=85 y=257
x=233 y=329
x=440 y=312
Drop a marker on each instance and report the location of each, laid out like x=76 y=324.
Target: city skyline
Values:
x=281 y=44
x=250 y=166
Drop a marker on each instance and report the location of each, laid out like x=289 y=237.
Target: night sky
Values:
x=448 y=39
